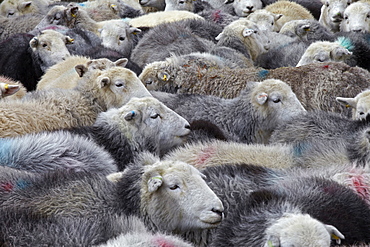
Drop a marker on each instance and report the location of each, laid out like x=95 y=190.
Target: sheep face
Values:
x=360 y=104
x=118 y=35
x=243 y=8
x=187 y=5
x=300 y=230
x=332 y=13
x=265 y=20
x=159 y=4
x=177 y=199
x=320 y=52
x=148 y=121
x=356 y=18
x=50 y=47
x=117 y=85
x=55 y=16
x=13 y=8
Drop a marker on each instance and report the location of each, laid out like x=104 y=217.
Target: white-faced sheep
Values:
x=65 y=74
x=62 y=108
x=44 y=152
x=314 y=6
x=250 y=117
x=34 y=53
x=13 y=8
x=356 y=18
x=332 y=13
x=245 y=36
x=148 y=191
x=324 y=51
x=244 y=8
x=290 y=11
x=360 y=104
x=142 y=124
x=265 y=20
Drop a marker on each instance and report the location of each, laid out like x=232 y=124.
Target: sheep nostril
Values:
x=187 y=126
x=217 y=211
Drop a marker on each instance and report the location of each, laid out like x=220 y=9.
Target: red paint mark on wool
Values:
x=162 y=242
x=204 y=156
x=361 y=186
x=326 y=66
x=6 y=186
x=216 y=15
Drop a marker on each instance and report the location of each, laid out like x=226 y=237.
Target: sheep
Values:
x=359 y=104
x=63 y=108
x=324 y=51
x=161 y=17
x=10 y=89
x=244 y=8
x=264 y=19
x=33 y=52
x=245 y=36
x=167 y=39
x=42 y=152
x=64 y=74
x=147 y=191
x=165 y=72
x=141 y=124
x=13 y=8
x=289 y=10
x=355 y=18
x=259 y=107
x=119 y=36
x=314 y=6
x=332 y=13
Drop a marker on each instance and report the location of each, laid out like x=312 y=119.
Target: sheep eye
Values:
x=327 y=4
x=345 y=17
x=155 y=116
x=255 y=31
x=272 y=23
x=174 y=187
x=119 y=84
x=11 y=13
x=44 y=45
x=361 y=113
x=121 y=38
x=276 y=100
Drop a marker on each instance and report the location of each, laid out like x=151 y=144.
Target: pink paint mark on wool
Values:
x=7 y=186
x=360 y=183
x=216 y=16
x=162 y=242
x=204 y=156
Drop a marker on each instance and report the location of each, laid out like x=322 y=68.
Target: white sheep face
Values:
x=360 y=104
x=265 y=20
x=187 y=5
x=147 y=120
x=159 y=4
x=300 y=230
x=177 y=199
x=320 y=52
x=356 y=18
x=50 y=47
x=332 y=13
x=243 y=8
x=14 y=8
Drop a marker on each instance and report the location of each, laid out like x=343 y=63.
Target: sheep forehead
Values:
x=363 y=95
x=273 y=85
x=179 y=168
x=357 y=8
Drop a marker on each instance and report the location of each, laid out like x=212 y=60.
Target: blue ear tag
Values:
x=133 y=113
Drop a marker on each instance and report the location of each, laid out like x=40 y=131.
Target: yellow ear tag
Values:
x=6 y=86
x=113 y=5
x=165 y=77
x=348 y=106
x=335 y=237
x=73 y=15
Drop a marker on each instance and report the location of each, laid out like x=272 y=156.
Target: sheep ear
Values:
x=348 y=102
x=69 y=40
x=8 y=89
x=334 y=233
x=114 y=8
x=219 y=36
x=272 y=241
x=114 y=177
x=277 y=16
x=130 y=115
x=154 y=183
x=247 y=32
x=228 y=1
x=74 y=11
x=33 y=43
x=340 y=53
x=121 y=62
x=163 y=76
x=81 y=69
x=134 y=30
x=262 y=98
x=25 y=5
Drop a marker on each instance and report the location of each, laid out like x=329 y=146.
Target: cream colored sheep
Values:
x=290 y=11
x=360 y=104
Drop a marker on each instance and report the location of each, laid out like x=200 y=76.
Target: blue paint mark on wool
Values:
x=345 y=42
x=22 y=184
x=6 y=148
x=263 y=73
x=82 y=4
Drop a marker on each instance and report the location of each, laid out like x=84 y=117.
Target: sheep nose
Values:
x=357 y=30
x=220 y=212
x=249 y=8
x=187 y=126
x=338 y=15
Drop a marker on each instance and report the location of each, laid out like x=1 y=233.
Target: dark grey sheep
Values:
x=250 y=117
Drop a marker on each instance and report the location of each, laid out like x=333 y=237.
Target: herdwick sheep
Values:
x=63 y=108
x=161 y=17
x=167 y=39
x=332 y=13
x=34 y=53
x=142 y=124
x=360 y=104
x=148 y=191
x=244 y=8
x=245 y=36
x=14 y=8
x=19 y=24
x=43 y=152
x=10 y=89
x=166 y=72
x=324 y=51
x=356 y=18
x=119 y=36
x=65 y=74
x=289 y=10
x=314 y=6
x=265 y=20
x=250 y=117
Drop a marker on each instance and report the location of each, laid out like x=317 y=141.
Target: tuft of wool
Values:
x=345 y=42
